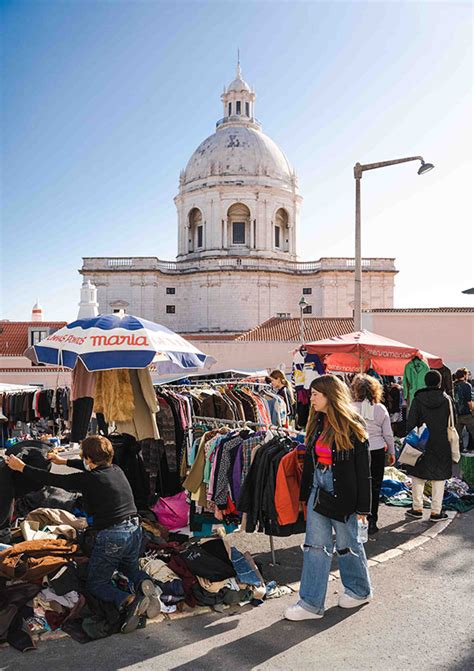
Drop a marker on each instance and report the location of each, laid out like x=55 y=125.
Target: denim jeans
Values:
x=116 y=549
x=319 y=548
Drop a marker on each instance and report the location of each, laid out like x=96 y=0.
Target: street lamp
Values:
x=468 y=291
x=358 y=170
x=303 y=303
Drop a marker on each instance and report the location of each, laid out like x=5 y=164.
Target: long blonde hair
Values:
x=343 y=421
x=279 y=375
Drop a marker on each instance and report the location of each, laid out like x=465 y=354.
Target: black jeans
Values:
x=377 y=466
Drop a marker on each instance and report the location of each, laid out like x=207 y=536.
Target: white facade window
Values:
x=238 y=233
x=307 y=291
x=170 y=309
x=277 y=236
x=308 y=310
x=170 y=290
x=200 y=236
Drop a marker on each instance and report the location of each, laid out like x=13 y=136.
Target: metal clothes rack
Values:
x=243 y=424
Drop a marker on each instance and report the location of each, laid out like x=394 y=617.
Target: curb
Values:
x=407 y=546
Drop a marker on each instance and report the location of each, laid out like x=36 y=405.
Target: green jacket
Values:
x=414 y=378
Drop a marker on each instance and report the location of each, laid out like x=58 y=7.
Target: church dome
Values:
x=238 y=150
x=238 y=85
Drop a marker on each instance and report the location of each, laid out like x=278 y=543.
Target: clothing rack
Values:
x=243 y=424
x=210 y=383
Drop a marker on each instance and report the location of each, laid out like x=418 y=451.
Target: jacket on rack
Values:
x=142 y=424
x=351 y=476
x=258 y=493
x=114 y=395
x=414 y=377
x=288 y=483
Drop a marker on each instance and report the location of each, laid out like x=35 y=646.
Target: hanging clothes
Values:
x=414 y=377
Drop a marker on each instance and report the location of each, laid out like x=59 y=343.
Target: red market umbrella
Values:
x=358 y=351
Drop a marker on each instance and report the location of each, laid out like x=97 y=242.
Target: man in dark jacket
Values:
x=430 y=406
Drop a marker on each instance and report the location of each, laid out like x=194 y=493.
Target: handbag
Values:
x=414 y=445
x=172 y=511
x=453 y=436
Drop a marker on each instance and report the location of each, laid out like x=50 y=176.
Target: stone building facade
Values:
x=238 y=211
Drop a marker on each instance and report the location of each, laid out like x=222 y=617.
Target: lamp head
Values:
x=425 y=167
x=303 y=303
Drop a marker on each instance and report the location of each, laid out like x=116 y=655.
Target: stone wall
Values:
x=234 y=300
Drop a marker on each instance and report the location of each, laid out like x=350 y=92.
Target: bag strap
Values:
x=451 y=413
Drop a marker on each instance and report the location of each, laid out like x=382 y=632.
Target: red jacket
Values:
x=287 y=491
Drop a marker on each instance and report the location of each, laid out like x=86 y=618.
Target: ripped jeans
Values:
x=318 y=552
x=116 y=549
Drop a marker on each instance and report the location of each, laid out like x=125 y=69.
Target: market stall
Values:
x=158 y=437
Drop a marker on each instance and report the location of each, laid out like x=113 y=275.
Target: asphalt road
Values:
x=422 y=617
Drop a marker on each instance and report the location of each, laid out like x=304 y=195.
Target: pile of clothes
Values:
x=43 y=572
x=396 y=491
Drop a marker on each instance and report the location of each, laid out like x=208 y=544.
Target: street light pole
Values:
x=358 y=170
x=302 y=305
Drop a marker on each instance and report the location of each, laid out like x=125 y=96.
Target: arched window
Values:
x=282 y=233
x=196 y=230
x=230 y=109
x=238 y=221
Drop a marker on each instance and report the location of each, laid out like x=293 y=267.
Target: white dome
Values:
x=238 y=85
x=240 y=151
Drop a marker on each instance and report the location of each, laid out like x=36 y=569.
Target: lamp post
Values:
x=303 y=303
x=358 y=170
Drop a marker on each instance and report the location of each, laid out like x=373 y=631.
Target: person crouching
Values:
x=108 y=498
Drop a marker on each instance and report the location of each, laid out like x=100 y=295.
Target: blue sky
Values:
x=104 y=102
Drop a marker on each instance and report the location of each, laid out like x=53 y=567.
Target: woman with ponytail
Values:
x=336 y=486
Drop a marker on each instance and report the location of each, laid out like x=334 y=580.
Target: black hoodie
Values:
x=430 y=406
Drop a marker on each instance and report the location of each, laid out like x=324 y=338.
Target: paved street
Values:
x=422 y=617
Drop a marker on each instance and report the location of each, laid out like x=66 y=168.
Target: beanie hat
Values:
x=433 y=379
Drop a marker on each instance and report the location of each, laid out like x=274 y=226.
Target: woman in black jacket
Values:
x=431 y=406
x=336 y=485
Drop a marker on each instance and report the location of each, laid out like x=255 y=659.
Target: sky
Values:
x=103 y=104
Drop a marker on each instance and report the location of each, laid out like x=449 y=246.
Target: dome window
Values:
x=238 y=233
x=200 y=236
x=282 y=222
x=230 y=109
x=277 y=236
x=247 y=109
x=238 y=105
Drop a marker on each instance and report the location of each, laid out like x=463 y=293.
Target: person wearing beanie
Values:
x=431 y=406
x=433 y=379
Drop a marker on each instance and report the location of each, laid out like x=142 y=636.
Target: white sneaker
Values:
x=346 y=601
x=297 y=613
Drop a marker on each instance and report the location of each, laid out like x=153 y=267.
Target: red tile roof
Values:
x=379 y=310
x=14 y=335
x=288 y=329
x=210 y=336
